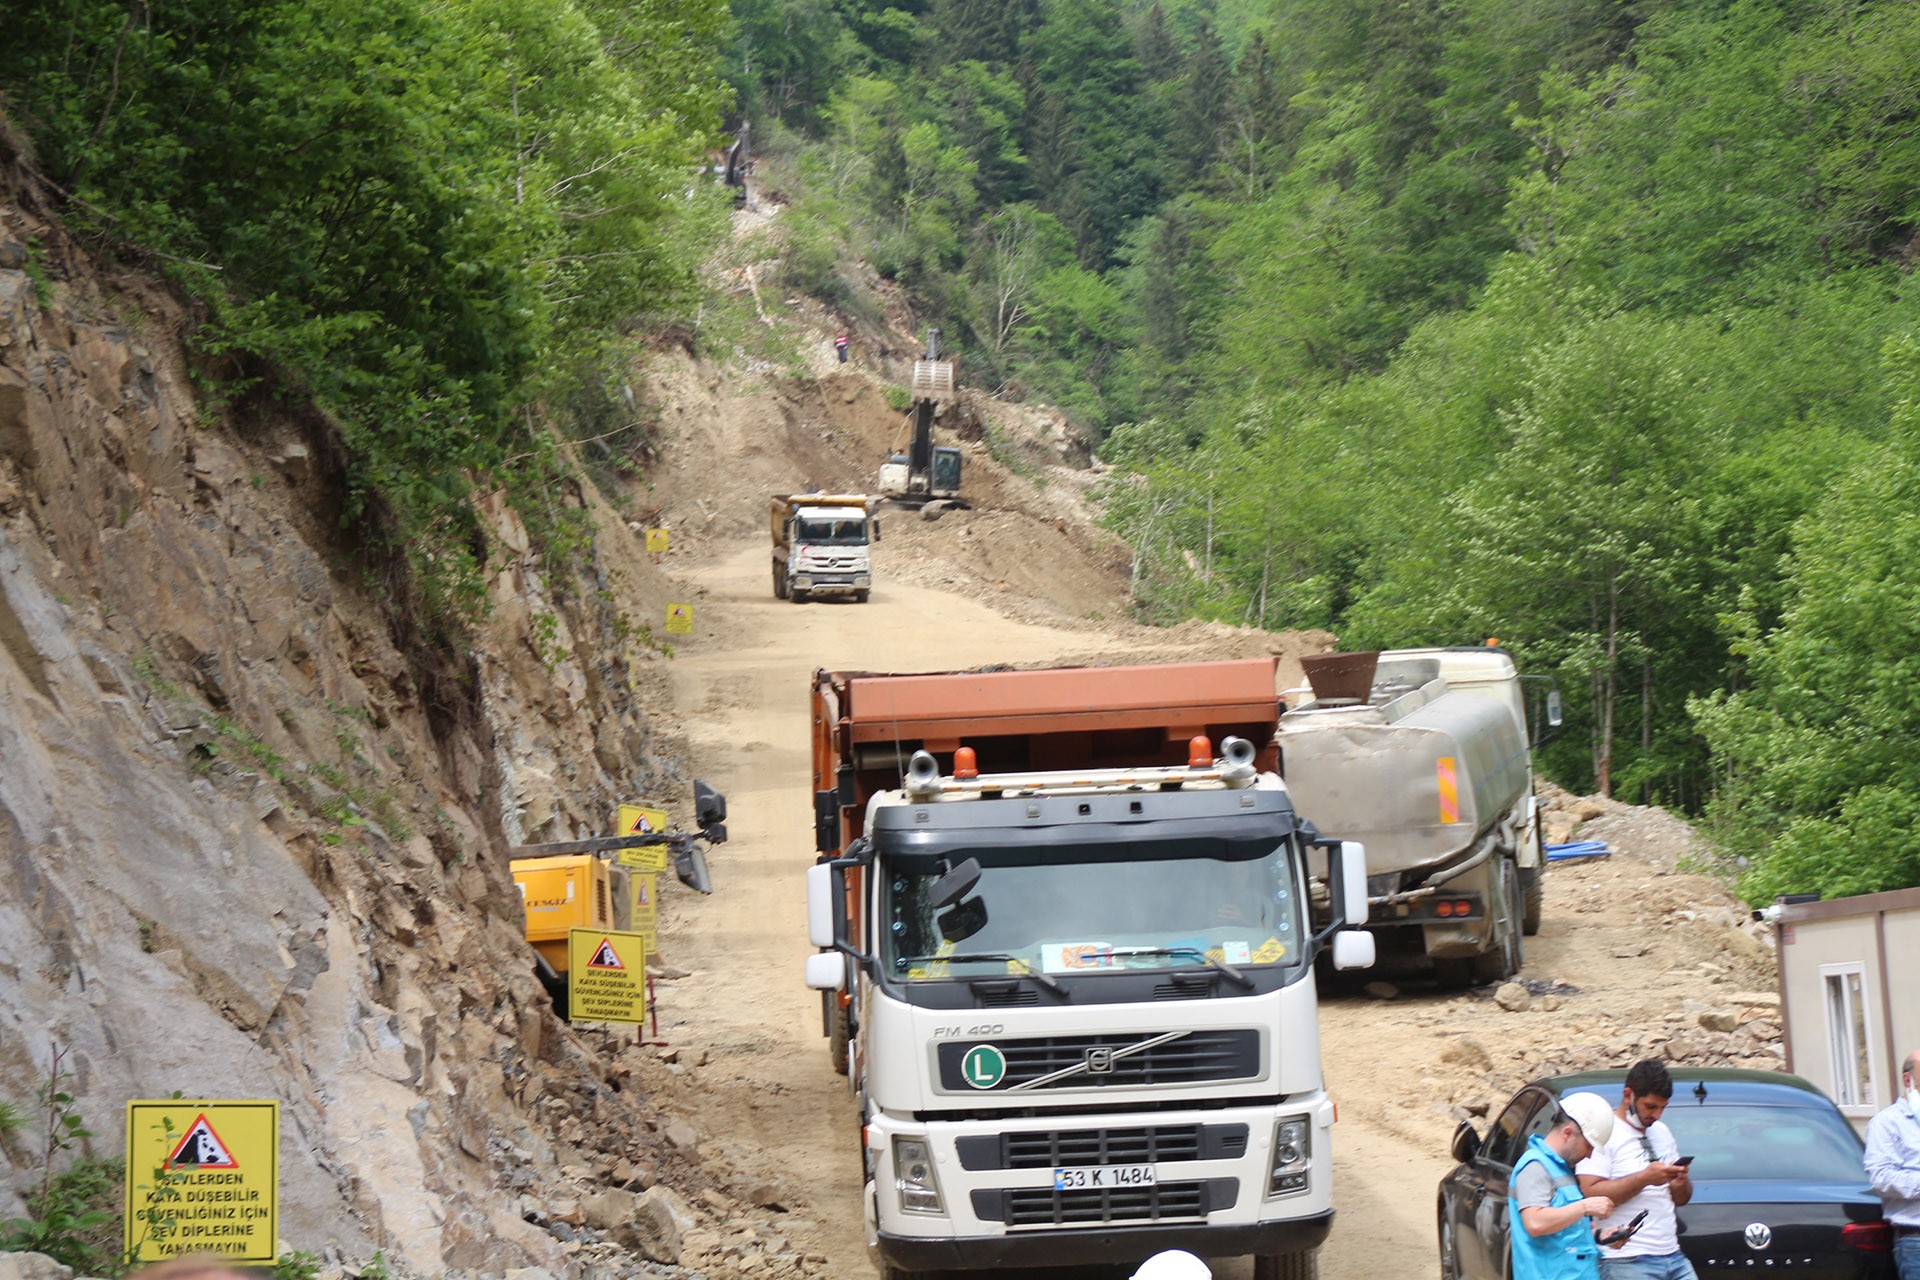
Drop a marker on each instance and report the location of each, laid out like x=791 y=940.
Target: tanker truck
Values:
x=1067 y=965
x=1422 y=756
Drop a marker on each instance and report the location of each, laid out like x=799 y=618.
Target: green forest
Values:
x=1590 y=325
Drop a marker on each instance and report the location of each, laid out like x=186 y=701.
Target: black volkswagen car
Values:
x=1778 y=1187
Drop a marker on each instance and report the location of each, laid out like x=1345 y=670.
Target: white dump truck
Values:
x=822 y=544
x=1068 y=967
x=1423 y=757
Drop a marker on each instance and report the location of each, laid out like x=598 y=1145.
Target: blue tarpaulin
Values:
x=1578 y=849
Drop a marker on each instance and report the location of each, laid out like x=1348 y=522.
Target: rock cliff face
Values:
x=252 y=827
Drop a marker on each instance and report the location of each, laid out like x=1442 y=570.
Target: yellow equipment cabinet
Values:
x=568 y=891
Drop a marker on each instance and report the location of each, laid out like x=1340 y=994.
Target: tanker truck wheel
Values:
x=1533 y=884
x=779 y=584
x=1504 y=960
x=1288 y=1266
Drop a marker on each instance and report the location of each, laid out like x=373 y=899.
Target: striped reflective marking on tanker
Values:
x=1449 y=790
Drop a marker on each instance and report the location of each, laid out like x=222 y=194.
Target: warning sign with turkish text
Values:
x=202 y=1177
x=606 y=976
x=657 y=541
x=640 y=820
x=646 y=909
x=680 y=619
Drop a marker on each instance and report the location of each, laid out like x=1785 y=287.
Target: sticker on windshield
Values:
x=939 y=968
x=1271 y=950
x=1238 y=951
x=1070 y=957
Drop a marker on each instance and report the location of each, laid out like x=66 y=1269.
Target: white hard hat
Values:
x=1173 y=1264
x=1593 y=1113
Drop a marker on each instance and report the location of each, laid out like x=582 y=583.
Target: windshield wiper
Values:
x=1232 y=972
x=1024 y=971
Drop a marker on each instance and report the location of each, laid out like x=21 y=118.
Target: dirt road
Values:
x=741 y=691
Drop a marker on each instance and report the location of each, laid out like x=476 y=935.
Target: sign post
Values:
x=202 y=1177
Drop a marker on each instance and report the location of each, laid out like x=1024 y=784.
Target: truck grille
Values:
x=1194 y=1057
x=1045 y=1207
x=1047 y=1149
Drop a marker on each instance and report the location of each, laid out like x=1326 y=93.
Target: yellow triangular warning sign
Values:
x=201 y=1148
x=605 y=957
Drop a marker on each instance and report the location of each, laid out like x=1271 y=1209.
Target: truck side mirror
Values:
x=956 y=884
x=820 y=896
x=1353 y=884
x=876 y=531
x=826 y=971
x=1353 y=949
x=957 y=924
x=826 y=821
x=1554 y=713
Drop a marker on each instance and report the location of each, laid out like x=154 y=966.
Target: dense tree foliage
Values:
x=1583 y=324
x=416 y=213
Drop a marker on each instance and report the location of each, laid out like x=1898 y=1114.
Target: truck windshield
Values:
x=831 y=533
x=1084 y=917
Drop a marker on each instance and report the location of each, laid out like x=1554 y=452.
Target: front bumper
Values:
x=1094 y=1245
x=826 y=584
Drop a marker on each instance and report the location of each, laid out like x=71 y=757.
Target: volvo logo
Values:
x=1759 y=1235
x=1100 y=1062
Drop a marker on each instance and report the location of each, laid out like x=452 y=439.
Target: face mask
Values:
x=1913 y=1099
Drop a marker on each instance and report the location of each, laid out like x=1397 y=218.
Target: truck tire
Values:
x=779 y=584
x=1503 y=960
x=837 y=1033
x=1533 y=886
x=860 y=597
x=1288 y=1266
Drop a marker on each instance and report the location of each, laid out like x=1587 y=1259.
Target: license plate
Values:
x=1105 y=1177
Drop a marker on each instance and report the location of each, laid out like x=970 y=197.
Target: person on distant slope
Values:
x=1547 y=1217
x=1637 y=1168
x=1893 y=1166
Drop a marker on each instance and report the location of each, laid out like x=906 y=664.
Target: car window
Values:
x=1529 y=1113
x=1739 y=1140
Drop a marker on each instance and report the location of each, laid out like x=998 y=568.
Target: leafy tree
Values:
x=1823 y=792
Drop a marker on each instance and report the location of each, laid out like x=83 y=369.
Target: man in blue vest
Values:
x=1548 y=1220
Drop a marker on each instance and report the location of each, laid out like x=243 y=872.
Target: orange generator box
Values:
x=569 y=891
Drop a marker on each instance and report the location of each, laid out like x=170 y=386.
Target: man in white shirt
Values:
x=1893 y=1166
x=1639 y=1170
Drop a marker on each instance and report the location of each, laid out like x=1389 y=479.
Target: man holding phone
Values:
x=1641 y=1170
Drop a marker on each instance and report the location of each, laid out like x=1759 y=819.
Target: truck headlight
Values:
x=913 y=1176
x=1292 y=1156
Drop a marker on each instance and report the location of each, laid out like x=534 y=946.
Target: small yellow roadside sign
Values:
x=639 y=820
x=606 y=976
x=202 y=1177
x=657 y=541
x=680 y=619
x=646 y=910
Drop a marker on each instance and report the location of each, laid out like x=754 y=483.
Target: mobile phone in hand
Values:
x=1625 y=1233
x=1684 y=1160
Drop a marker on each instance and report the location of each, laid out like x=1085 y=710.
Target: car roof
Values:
x=1720 y=1084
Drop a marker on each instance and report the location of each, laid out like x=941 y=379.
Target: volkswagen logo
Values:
x=1759 y=1235
x=1099 y=1061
